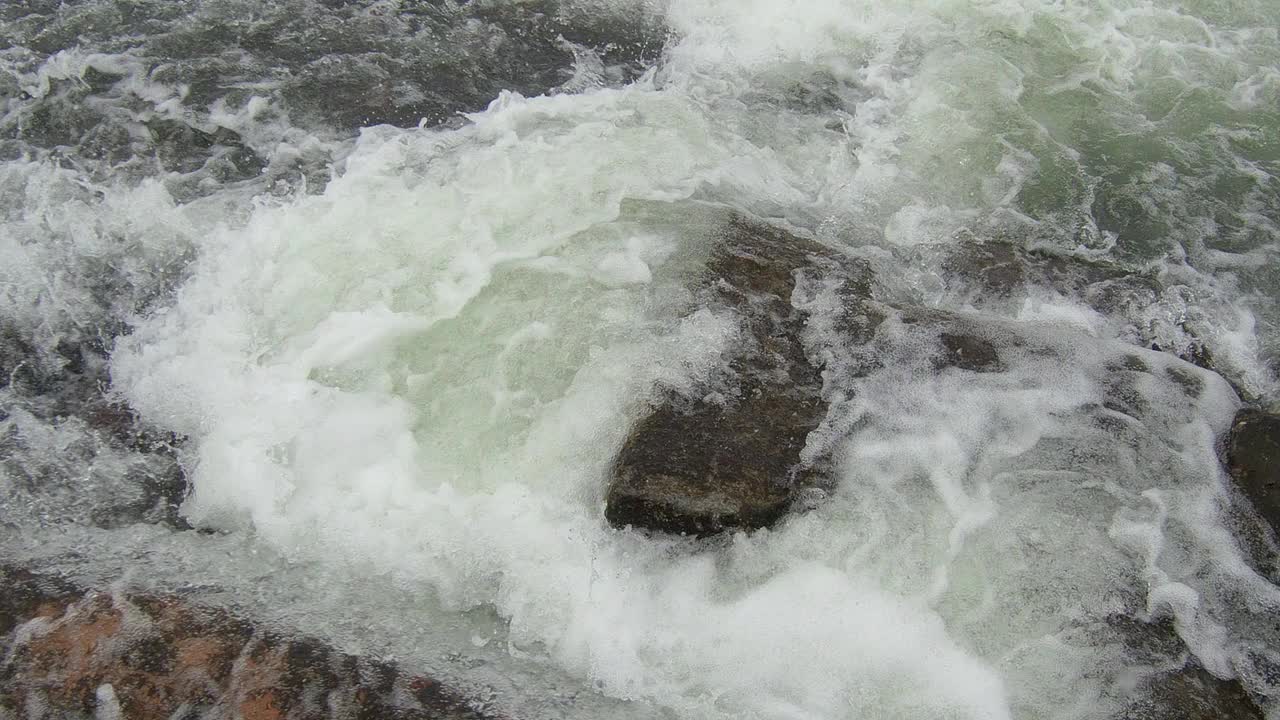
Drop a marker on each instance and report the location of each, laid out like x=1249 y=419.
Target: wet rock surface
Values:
x=1192 y=693
x=728 y=461
x=731 y=459
x=968 y=352
x=1253 y=458
x=72 y=653
x=983 y=272
x=59 y=427
x=993 y=269
x=330 y=66
x=1179 y=688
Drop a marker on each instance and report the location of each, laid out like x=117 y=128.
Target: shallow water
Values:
x=398 y=278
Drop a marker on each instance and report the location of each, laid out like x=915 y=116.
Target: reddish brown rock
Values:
x=68 y=652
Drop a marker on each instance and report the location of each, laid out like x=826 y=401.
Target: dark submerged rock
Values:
x=968 y=352
x=731 y=459
x=983 y=272
x=1253 y=458
x=1192 y=693
x=180 y=147
x=996 y=269
x=1179 y=687
x=66 y=386
x=23 y=594
x=330 y=67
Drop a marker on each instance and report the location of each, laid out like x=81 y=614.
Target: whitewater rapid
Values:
x=403 y=361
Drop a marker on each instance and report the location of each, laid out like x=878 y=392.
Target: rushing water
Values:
x=398 y=276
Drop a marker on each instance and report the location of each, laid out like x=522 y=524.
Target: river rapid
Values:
x=387 y=282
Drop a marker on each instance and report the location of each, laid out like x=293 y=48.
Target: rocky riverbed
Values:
x=637 y=359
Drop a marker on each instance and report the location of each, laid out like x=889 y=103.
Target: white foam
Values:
x=381 y=375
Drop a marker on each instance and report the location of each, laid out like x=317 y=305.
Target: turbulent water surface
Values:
x=389 y=280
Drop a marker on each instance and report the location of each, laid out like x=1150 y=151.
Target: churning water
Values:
x=398 y=277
